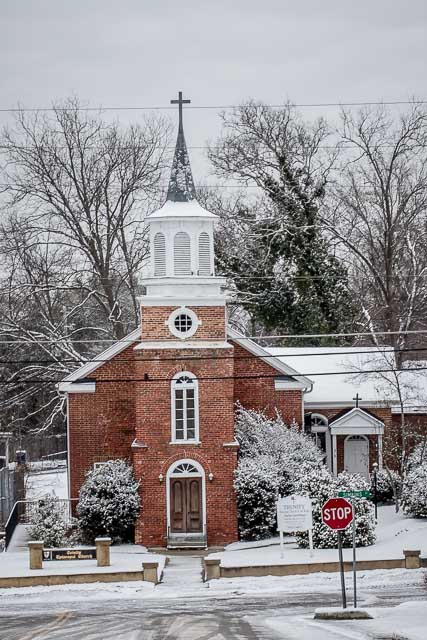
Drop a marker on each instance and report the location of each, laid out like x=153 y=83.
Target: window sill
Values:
x=186 y=442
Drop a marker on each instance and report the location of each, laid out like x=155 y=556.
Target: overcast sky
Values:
x=140 y=53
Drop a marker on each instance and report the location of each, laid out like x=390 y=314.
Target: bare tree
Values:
x=75 y=191
x=379 y=215
x=87 y=184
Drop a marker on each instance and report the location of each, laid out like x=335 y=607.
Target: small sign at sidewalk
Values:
x=69 y=554
x=294 y=513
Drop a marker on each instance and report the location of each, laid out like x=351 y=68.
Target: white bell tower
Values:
x=181 y=267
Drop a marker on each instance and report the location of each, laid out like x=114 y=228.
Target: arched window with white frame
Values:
x=182 y=254
x=185 y=408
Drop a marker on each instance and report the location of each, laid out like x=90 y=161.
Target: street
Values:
x=231 y=618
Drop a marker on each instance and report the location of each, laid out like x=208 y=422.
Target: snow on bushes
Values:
x=256 y=484
x=320 y=485
x=414 y=492
x=47 y=523
x=418 y=456
x=272 y=458
x=109 y=501
x=385 y=481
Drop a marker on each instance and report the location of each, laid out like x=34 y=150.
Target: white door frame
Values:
x=170 y=474
x=358 y=436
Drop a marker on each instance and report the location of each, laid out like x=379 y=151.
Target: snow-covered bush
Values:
x=320 y=485
x=109 y=501
x=418 y=456
x=256 y=484
x=385 y=481
x=272 y=457
x=414 y=492
x=47 y=523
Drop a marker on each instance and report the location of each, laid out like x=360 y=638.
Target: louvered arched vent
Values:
x=159 y=255
x=181 y=254
x=204 y=255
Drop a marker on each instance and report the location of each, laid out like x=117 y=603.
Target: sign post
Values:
x=351 y=495
x=337 y=514
x=295 y=513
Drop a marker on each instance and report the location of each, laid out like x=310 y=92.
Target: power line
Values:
x=150 y=379
x=243 y=337
x=218 y=107
x=371 y=351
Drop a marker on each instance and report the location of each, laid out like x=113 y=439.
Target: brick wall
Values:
x=154 y=323
x=259 y=393
x=153 y=428
x=102 y=424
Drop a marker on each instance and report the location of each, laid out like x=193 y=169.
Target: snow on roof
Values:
x=341 y=388
x=191 y=209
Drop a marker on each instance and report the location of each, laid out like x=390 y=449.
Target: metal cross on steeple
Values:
x=181 y=184
x=357 y=398
x=180 y=102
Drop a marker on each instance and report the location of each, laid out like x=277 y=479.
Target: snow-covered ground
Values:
x=395 y=532
x=54 y=481
x=371 y=584
x=123 y=558
x=406 y=621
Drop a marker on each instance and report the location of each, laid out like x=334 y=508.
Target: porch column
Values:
x=380 y=451
x=334 y=455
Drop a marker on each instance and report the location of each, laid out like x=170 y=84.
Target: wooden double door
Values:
x=186 y=513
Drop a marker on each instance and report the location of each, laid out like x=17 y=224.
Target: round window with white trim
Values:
x=183 y=323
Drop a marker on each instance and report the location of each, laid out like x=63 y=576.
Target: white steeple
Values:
x=181 y=237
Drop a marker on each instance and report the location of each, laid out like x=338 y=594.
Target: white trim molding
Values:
x=187 y=344
x=183 y=311
x=356 y=422
x=77 y=387
x=284 y=385
x=194 y=385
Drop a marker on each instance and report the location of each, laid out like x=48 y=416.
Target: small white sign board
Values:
x=294 y=513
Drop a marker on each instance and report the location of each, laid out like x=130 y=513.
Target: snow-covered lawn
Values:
x=395 y=532
x=406 y=621
x=53 y=481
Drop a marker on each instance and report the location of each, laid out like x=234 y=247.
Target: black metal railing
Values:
x=23 y=512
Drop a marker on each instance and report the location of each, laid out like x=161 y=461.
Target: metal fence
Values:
x=11 y=490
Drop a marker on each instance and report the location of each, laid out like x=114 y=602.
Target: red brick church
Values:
x=164 y=397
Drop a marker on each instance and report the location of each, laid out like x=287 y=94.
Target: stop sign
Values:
x=337 y=513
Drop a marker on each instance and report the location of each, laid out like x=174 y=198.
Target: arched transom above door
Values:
x=185 y=468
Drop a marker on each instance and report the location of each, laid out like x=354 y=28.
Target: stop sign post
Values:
x=337 y=514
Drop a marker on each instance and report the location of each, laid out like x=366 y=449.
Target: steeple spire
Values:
x=181 y=184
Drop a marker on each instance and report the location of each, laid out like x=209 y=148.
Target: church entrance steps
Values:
x=177 y=541
x=183 y=572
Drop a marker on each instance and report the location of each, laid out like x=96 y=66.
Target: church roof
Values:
x=82 y=374
x=189 y=209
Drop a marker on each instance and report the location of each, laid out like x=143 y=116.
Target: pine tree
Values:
x=47 y=523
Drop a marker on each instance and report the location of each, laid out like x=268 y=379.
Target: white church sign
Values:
x=294 y=513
